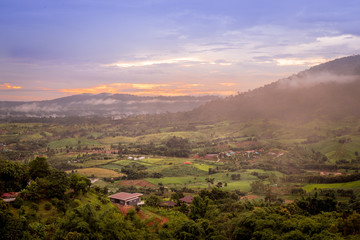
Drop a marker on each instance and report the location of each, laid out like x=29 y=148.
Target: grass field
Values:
x=311 y=187
x=93 y=163
x=203 y=166
x=73 y=142
x=98 y=172
x=278 y=174
x=200 y=181
x=166 y=166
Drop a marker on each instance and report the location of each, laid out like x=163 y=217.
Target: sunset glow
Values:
x=173 y=89
x=8 y=86
x=52 y=49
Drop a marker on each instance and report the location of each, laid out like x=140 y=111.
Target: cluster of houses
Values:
x=248 y=153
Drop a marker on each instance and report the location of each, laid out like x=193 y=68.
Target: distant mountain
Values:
x=104 y=104
x=329 y=91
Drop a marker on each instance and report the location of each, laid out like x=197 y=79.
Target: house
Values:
x=168 y=204
x=187 y=199
x=9 y=197
x=124 y=198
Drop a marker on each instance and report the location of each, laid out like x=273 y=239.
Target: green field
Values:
x=64 y=144
x=97 y=172
x=200 y=181
x=311 y=187
x=73 y=142
x=93 y=163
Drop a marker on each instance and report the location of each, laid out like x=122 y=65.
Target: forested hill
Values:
x=329 y=91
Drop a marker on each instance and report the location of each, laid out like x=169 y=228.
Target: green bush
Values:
x=18 y=202
x=48 y=206
x=34 y=206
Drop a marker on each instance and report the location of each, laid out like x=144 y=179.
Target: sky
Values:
x=51 y=49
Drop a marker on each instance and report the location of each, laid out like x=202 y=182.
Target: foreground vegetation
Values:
x=250 y=180
x=60 y=206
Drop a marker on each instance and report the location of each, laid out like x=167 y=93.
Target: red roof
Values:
x=187 y=199
x=125 y=196
x=187 y=163
x=9 y=195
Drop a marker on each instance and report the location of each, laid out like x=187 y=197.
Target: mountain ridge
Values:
x=327 y=91
x=103 y=104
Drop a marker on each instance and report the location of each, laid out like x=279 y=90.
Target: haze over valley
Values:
x=192 y=119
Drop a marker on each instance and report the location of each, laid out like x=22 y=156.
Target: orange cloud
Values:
x=228 y=84
x=8 y=86
x=172 y=89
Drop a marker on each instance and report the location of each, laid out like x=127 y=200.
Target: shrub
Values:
x=18 y=202
x=48 y=206
x=97 y=207
x=34 y=206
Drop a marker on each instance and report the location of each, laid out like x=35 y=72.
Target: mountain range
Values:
x=104 y=104
x=328 y=91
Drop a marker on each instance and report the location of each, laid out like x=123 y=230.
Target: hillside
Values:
x=104 y=104
x=328 y=91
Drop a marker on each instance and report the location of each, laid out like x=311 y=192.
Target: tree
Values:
x=176 y=196
x=161 y=188
x=257 y=187
x=153 y=201
x=178 y=147
x=190 y=231
x=39 y=168
x=270 y=196
x=36 y=190
x=198 y=207
x=235 y=176
x=210 y=180
x=58 y=184
x=79 y=183
x=350 y=225
x=13 y=176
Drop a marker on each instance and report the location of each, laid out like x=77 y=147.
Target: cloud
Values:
x=148 y=89
x=228 y=84
x=300 y=62
x=332 y=44
x=185 y=62
x=307 y=79
x=107 y=101
x=34 y=107
x=153 y=62
x=8 y=86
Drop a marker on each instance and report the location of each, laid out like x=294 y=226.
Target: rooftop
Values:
x=9 y=195
x=125 y=196
x=187 y=199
